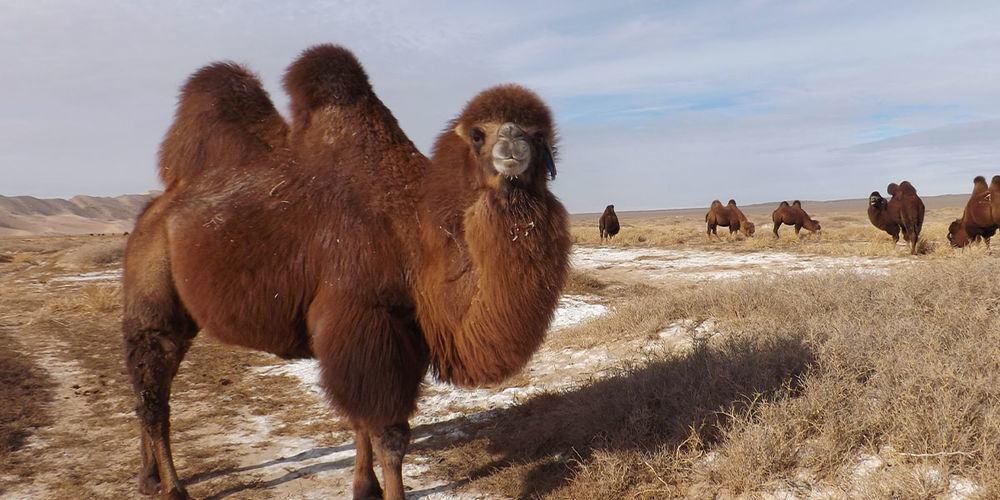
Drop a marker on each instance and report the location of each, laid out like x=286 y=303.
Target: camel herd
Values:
x=903 y=212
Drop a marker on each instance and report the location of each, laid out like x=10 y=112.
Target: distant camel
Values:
x=728 y=216
x=981 y=216
x=793 y=215
x=335 y=238
x=881 y=217
x=904 y=211
x=608 y=225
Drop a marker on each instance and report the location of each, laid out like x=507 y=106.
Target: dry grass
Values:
x=790 y=398
x=25 y=391
x=95 y=252
x=839 y=385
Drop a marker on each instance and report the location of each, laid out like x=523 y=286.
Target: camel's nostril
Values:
x=511 y=131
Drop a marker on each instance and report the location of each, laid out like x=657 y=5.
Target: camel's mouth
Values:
x=510 y=167
x=511 y=156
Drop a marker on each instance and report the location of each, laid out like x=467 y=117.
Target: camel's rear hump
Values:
x=224 y=117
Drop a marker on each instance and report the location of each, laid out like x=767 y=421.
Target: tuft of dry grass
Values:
x=95 y=253
x=90 y=298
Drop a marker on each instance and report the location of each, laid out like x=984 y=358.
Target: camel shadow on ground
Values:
x=543 y=441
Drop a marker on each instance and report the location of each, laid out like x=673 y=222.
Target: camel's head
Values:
x=957 y=235
x=748 y=227
x=610 y=209
x=509 y=133
x=875 y=200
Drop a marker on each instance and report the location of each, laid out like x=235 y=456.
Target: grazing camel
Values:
x=904 y=211
x=793 y=215
x=333 y=237
x=981 y=216
x=728 y=216
x=608 y=225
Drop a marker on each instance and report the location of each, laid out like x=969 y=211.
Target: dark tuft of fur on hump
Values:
x=223 y=109
x=325 y=75
x=235 y=94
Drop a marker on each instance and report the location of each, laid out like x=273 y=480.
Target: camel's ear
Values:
x=460 y=130
x=549 y=162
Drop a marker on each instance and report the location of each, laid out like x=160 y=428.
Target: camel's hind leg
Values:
x=157 y=332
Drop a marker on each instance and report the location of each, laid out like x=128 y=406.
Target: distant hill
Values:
x=30 y=216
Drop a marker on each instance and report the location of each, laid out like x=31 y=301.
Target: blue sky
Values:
x=658 y=104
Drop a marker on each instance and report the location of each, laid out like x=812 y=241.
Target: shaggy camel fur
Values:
x=981 y=216
x=905 y=210
x=793 y=215
x=336 y=238
x=729 y=215
x=608 y=225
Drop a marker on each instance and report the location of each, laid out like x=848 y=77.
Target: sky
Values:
x=658 y=104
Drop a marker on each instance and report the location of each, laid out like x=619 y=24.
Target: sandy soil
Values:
x=92 y=443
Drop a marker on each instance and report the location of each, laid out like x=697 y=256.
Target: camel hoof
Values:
x=177 y=494
x=371 y=491
x=149 y=485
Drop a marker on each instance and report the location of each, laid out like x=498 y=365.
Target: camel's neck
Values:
x=491 y=271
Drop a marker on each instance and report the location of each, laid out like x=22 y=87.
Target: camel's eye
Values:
x=478 y=136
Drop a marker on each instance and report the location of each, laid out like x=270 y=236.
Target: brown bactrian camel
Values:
x=608 y=223
x=981 y=216
x=728 y=216
x=904 y=211
x=793 y=215
x=334 y=237
x=881 y=217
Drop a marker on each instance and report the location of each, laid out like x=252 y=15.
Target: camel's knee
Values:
x=391 y=442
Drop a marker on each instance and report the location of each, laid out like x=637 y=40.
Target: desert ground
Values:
x=830 y=365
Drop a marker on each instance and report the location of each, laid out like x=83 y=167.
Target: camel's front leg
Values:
x=390 y=447
x=365 y=483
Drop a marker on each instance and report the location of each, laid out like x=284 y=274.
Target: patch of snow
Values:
x=712 y=264
x=441 y=402
x=575 y=309
x=307 y=371
x=960 y=488
x=94 y=276
x=867 y=464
